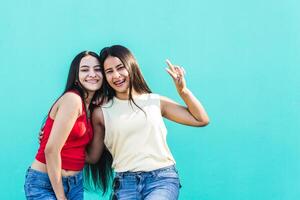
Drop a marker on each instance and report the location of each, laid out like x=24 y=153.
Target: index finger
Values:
x=170 y=65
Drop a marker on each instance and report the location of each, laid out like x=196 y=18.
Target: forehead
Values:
x=111 y=61
x=89 y=61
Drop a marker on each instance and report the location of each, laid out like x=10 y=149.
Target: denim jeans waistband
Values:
x=145 y=173
x=42 y=175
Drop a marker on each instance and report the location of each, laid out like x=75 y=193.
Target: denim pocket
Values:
x=171 y=174
x=37 y=184
x=36 y=181
x=35 y=188
x=168 y=173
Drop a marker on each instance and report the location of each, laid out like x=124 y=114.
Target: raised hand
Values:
x=177 y=73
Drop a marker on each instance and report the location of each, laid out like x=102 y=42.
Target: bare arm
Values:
x=96 y=147
x=68 y=111
x=193 y=114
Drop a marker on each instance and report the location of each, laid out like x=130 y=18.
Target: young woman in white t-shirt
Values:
x=131 y=126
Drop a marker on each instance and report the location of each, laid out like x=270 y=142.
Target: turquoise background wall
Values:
x=242 y=61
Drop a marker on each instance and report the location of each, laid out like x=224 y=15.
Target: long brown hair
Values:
x=136 y=79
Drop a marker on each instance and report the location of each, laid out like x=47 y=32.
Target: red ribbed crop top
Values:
x=73 y=151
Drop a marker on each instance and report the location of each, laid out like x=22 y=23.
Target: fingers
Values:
x=180 y=71
x=175 y=71
x=178 y=74
x=97 y=102
x=41 y=134
x=172 y=74
x=183 y=70
x=171 y=66
x=172 y=70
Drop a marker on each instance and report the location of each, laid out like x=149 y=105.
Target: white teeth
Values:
x=119 y=83
x=92 y=81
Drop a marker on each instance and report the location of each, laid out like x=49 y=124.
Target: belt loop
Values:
x=75 y=179
x=68 y=184
x=138 y=178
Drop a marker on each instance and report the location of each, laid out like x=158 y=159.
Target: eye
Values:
x=108 y=72
x=121 y=67
x=97 y=69
x=84 y=70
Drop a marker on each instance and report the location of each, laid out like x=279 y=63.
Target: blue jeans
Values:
x=160 y=184
x=38 y=186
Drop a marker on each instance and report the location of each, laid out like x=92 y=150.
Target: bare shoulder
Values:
x=70 y=99
x=72 y=102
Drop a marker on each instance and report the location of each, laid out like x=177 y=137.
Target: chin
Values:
x=121 y=90
x=92 y=89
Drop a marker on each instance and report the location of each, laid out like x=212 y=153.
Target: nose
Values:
x=115 y=74
x=92 y=73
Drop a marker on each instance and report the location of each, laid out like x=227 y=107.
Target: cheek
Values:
x=108 y=77
x=124 y=73
x=100 y=75
x=81 y=77
x=109 y=80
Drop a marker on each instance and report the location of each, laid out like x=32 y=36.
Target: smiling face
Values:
x=117 y=76
x=90 y=76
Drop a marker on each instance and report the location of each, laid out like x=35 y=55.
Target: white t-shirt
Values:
x=136 y=138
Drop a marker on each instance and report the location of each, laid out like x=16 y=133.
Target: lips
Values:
x=92 y=81
x=119 y=83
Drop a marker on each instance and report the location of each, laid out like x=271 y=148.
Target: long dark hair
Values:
x=136 y=79
x=97 y=176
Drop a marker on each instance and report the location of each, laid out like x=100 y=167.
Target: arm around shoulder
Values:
x=96 y=147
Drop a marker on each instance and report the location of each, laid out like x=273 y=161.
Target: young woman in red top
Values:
x=56 y=172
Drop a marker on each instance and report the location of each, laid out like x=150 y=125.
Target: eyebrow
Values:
x=89 y=66
x=121 y=64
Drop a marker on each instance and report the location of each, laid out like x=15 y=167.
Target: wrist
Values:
x=183 y=91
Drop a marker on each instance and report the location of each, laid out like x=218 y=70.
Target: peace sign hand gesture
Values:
x=177 y=73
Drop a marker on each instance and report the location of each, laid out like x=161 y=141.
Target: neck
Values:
x=125 y=95
x=88 y=98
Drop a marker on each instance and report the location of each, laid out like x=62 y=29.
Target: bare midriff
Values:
x=39 y=166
